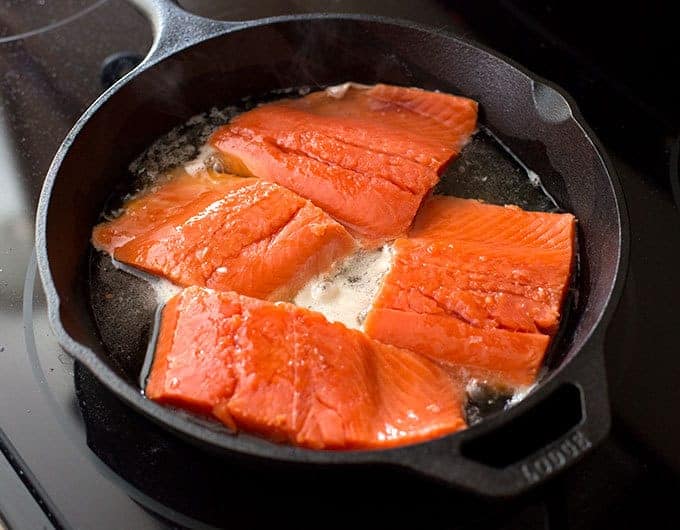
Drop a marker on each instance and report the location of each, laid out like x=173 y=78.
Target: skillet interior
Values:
x=531 y=118
x=125 y=305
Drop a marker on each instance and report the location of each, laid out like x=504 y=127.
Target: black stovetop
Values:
x=73 y=456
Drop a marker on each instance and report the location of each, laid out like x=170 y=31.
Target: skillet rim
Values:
x=268 y=450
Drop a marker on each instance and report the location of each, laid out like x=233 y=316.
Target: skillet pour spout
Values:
x=196 y=64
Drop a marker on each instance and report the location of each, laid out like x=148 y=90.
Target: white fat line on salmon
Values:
x=347 y=291
x=163 y=288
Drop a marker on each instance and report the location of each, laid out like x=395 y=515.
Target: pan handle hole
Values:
x=551 y=419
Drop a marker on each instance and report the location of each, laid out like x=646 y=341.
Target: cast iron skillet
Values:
x=196 y=63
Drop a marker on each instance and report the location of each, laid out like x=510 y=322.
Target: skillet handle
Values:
x=175 y=29
x=527 y=445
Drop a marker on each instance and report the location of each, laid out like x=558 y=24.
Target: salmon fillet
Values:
x=158 y=203
x=477 y=285
x=367 y=156
x=288 y=374
x=245 y=235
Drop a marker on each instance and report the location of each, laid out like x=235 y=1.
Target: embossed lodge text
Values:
x=555 y=457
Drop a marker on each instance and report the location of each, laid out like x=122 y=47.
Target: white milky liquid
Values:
x=163 y=288
x=520 y=393
x=339 y=91
x=204 y=160
x=346 y=292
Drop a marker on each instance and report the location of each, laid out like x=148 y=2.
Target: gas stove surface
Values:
x=73 y=456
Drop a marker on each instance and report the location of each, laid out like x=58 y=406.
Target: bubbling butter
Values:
x=206 y=159
x=346 y=292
